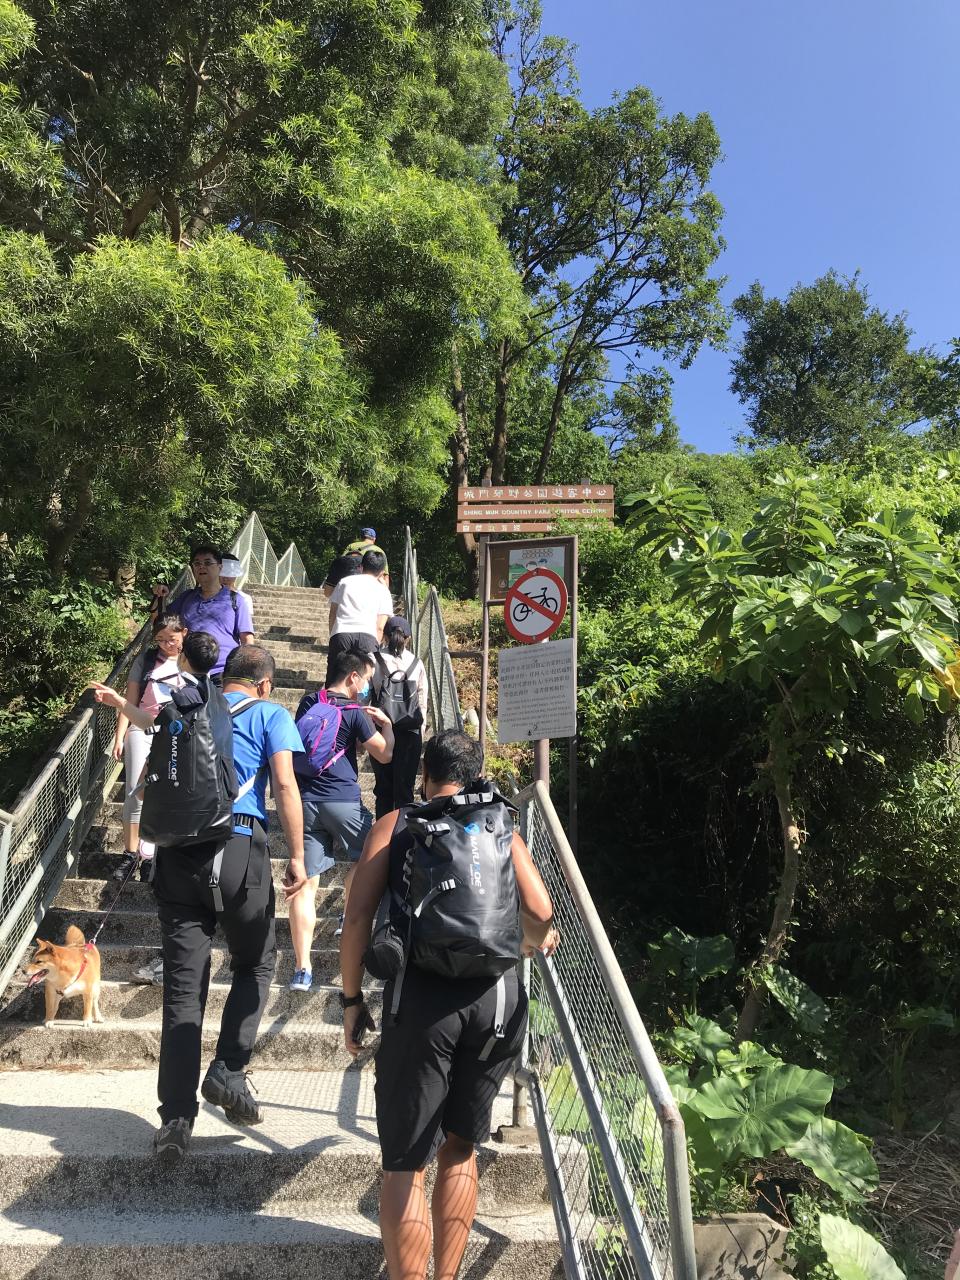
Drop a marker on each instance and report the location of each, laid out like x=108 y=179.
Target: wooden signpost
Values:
x=535 y=580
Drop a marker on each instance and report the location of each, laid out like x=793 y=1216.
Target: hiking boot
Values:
x=125 y=865
x=229 y=1089
x=151 y=972
x=302 y=981
x=171 y=1139
x=146 y=869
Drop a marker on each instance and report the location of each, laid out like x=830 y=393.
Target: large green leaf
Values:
x=803 y=1004
x=853 y=1253
x=700 y=1038
x=679 y=953
x=839 y=1157
x=776 y=1108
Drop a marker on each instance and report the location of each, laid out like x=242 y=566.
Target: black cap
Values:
x=398 y=623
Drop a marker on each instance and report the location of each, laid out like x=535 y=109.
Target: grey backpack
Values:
x=191 y=784
x=452 y=905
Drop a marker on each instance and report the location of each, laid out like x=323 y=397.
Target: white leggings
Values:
x=136 y=748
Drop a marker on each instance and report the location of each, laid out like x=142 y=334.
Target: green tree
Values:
x=826 y=371
x=613 y=231
x=334 y=155
x=814 y=605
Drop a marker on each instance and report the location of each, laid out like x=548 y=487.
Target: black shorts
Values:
x=350 y=642
x=431 y=1080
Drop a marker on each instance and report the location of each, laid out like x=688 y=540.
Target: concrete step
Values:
x=97 y=895
x=100 y=861
x=83 y=1140
x=118 y=961
x=264 y=1245
x=134 y=1002
x=105 y=840
x=123 y=1045
x=143 y=927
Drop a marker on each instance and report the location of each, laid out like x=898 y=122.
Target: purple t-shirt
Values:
x=217 y=616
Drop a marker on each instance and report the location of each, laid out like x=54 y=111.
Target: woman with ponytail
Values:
x=400 y=690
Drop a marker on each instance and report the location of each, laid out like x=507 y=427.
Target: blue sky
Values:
x=839 y=123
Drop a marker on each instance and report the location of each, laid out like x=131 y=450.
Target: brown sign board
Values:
x=552 y=494
x=486 y=509
x=569 y=511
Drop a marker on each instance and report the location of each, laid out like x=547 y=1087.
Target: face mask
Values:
x=363 y=693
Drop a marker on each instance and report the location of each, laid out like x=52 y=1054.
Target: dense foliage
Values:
x=331 y=259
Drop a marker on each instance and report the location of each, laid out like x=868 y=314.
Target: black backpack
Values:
x=452 y=906
x=396 y=694
x=191 y=783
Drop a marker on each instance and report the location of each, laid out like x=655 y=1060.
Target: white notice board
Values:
x=537 y=692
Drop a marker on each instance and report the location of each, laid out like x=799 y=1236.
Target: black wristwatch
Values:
x=348 y=1002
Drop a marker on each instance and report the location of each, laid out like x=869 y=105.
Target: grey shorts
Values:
x=330 y=826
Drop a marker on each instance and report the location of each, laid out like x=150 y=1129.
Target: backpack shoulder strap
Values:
x=236 y=614
x=242 y=705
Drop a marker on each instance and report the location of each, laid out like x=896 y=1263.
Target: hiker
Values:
x=209 y=607
x=230 y=571
x=359 y=607
x=331 y=725
x=151 y=674
x=344 y=566
x=200 y=882
x=399 y=690
x=447 y=1041
x=366 y=542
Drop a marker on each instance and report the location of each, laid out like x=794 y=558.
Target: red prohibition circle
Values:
x=532 y=616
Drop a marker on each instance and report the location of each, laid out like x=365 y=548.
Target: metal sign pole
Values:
x=485 y=646
x=573 y=767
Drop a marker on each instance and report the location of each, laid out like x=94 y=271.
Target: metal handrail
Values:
x=41 y=836
x=610 y=1132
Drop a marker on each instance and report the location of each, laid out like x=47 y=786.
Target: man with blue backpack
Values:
x=458 y=900
x=333 y=722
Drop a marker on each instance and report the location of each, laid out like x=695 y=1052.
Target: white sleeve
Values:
x=336 y=595
x=386 y=600
x=422 y=689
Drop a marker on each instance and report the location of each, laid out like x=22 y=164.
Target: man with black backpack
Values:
x=205 y=808
x=460 y=899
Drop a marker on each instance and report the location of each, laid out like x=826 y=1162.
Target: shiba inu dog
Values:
x=70 y=970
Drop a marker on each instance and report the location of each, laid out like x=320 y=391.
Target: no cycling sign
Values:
x=535 y=605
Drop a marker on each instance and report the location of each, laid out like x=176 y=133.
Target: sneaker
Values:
x=151 y=972
x=338 y=931
x=302 y=981
x=230 y=1090
x=126 y=865
x=171 y=1139
x=146 y=867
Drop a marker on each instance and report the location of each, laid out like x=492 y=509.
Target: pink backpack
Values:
x=319 y=727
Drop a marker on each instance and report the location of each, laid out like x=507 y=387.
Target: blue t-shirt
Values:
x=340 y=781
x=217 y=617
x=259 y=732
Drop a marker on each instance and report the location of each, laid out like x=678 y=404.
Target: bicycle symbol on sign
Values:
x=521 y=609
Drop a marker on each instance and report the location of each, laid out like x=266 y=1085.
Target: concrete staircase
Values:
x=80 y=1191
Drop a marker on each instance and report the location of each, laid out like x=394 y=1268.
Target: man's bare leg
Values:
x=454 y=1205
x=303 y=922
x=405 y=1225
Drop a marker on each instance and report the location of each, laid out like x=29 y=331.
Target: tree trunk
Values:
x=786 y=893
x=556 y=408
x=62 y=535
x=497 y=467
x=460 y=471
